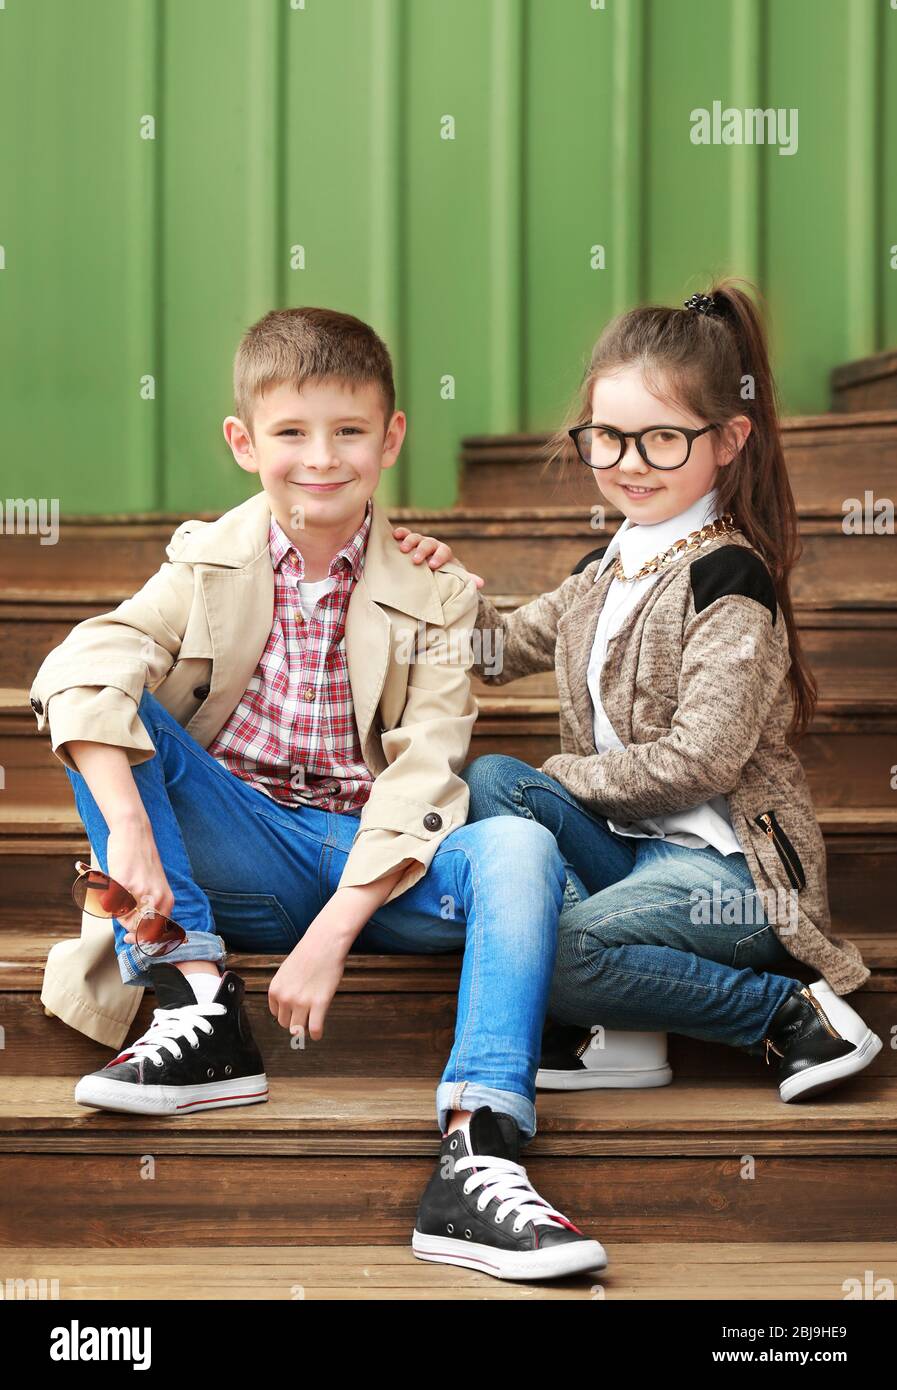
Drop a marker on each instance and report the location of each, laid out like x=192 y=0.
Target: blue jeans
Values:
x=654 y=936
x=250 y=874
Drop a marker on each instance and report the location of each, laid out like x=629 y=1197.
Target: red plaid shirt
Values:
x=293 y=734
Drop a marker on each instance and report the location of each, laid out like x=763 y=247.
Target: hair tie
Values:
x=705 y=304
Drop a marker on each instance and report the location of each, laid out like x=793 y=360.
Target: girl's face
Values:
x=648 y=495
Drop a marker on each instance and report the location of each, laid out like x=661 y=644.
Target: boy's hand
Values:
x=302 y=990
x=134 y=862
x=439 y=552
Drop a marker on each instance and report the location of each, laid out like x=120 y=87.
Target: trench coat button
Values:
x=201 y=691
x=432 y=821
x=37 y=707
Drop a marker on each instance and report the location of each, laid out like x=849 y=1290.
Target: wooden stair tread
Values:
x=27 y=950
x=830 y=420
x=681 y=1270
x=23 y=956
x=52 y=820
x=494 y=702
x=379 y=1112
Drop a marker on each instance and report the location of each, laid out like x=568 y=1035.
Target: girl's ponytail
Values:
x=756 y=488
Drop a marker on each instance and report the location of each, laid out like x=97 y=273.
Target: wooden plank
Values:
x=676 y=1269
x=869 y=383
x=149 y=1197
x=692 y=1116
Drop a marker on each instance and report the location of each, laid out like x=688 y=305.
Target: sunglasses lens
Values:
x=157 y=935
x=96 y=894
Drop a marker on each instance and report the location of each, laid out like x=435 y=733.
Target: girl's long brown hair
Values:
x=717 y=368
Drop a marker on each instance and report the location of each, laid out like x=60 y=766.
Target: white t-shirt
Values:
x=309 y=591
x=699 y=826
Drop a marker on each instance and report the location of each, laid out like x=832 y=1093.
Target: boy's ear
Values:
x=239 y=441
x=394 y=438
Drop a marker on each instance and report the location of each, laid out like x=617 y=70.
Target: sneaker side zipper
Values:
x=784 y=848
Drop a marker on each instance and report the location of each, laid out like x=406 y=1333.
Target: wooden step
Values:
x=402 y=1008
x=847 y=757
x=38 y=850
x=509 y=470
x=870 y=383
x=339 y=1161
x=852 y=654
x=745 y=1271
x=516 y=549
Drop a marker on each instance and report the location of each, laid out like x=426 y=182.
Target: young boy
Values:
x=264 y=746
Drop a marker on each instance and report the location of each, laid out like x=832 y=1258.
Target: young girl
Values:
x=695 y=863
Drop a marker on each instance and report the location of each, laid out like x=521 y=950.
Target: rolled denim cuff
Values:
x=200 y=945
x=471 y=1095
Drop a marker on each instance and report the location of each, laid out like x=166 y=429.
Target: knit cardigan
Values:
x=695 y=685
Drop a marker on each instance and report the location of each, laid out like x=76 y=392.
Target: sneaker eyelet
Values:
x=450 y=1228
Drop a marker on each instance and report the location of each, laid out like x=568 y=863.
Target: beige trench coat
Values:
x=193 y=635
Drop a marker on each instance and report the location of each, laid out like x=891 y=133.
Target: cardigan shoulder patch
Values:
x=588 y=560
x=732 y=569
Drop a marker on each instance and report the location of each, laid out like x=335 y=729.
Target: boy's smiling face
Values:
x=319 y=452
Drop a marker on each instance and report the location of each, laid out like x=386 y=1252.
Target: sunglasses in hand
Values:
x=99 y=895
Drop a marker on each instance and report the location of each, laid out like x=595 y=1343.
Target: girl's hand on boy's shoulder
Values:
x=429 y=548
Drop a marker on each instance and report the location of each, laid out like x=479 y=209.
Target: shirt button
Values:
x=308 y=693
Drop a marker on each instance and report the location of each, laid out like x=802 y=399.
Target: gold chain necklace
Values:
x=723 y=526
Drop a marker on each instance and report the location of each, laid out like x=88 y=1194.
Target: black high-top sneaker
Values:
x=581 y=1059
x=192 y=1057
x=821 y=1041
x=479 y=1210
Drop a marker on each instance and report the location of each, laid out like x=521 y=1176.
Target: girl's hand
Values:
x=439 y=552
x=134 y=862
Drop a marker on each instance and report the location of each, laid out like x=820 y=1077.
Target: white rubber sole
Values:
x=603 y=1080
x=828 y=1074
x=104 y=1093
x=552 y=1263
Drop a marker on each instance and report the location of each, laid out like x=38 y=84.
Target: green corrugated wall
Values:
x=278 y=123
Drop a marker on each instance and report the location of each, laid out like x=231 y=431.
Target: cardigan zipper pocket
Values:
x=784 y=848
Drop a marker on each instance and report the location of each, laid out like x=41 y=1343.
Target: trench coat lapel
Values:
x=238 y=591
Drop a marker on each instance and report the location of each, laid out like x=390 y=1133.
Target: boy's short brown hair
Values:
x=300 y=345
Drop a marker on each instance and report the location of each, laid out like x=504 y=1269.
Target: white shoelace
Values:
x=170 y=1025
x=507 y=1183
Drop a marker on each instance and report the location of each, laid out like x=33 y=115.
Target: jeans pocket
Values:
x=762 y=950
x=255 y=922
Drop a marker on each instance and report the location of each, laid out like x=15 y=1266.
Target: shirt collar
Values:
x=351 y=555
x=636 y=543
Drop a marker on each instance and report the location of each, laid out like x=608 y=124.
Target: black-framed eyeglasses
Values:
x=661 y=446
